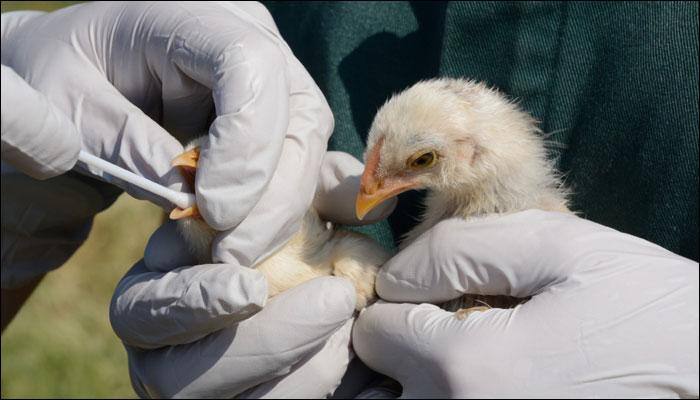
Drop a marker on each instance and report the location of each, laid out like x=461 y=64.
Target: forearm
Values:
x=14 y=299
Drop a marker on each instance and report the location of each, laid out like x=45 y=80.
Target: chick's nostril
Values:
x=370 y=186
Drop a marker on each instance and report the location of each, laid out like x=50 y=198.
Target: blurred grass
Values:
x=61 y=344
x=35 y=5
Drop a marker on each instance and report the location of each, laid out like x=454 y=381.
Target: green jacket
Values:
x=615 y=84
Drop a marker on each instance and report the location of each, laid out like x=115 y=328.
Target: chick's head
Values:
x=451 y=136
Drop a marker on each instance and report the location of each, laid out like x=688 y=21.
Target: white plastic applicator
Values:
x=180 y=199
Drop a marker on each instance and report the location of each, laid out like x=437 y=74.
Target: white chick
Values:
x=315 y=250
x=475 y=151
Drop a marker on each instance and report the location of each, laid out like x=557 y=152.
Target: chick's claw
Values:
x=188 y=159
x=187 y=163
x=189 y=212
x=463 y=313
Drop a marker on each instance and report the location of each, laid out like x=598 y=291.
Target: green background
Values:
x=614 y=84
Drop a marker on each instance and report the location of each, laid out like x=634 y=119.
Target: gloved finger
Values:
x=560 y=331
x=338 y=185
x=78 y=82
x=15 y=19
x=247 y=72
x=122 y=134
x=315 y=377
x=418 y=344
x=166 y=249
x=153 y=309
x=187 y=104
x=278 y=214
x=37 y=137
x=517 y=255
x=294 y=324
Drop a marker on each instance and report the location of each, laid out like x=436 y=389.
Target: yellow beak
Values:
x=373 y=193
x=373 y=190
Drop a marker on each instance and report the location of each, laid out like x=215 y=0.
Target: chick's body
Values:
x=316 y=250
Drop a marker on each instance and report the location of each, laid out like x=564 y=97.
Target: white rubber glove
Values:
x=37 y=138
x=201 y=331
x=611 y=315
x=127 y=73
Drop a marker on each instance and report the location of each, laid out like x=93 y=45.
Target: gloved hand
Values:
x=129 y=73
x=611 y=314
x=202 y=331
x=37 y=138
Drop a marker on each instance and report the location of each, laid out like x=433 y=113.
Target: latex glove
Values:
x=202 y=331
x=612 y=315
x=37 y=138
x=127 y=73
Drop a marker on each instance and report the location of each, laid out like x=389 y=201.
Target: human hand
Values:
x=131 y=74
x=611 y=314
x=202 y=330
x=37 y=138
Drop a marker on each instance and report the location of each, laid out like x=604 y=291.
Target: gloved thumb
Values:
x=516 y=255
x=338 y=184
x=113 y=128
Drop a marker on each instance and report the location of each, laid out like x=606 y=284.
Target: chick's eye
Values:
x=422 y=159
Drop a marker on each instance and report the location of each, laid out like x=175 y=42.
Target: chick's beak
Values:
x=374 y=190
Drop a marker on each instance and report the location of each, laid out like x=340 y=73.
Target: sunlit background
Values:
x=61 y=344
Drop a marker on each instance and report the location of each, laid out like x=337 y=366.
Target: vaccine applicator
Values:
x=180 y=199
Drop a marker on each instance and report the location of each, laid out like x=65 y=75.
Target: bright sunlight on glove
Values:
x=127 y=74
x=611 y=314
x=296 y=346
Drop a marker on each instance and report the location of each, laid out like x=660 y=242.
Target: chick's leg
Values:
x=358 y=259
x=187 y=163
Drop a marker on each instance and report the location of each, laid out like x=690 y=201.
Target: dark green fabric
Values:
x=616 y=84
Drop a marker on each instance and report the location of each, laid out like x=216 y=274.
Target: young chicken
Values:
x=475 y=151
x=315 y=250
